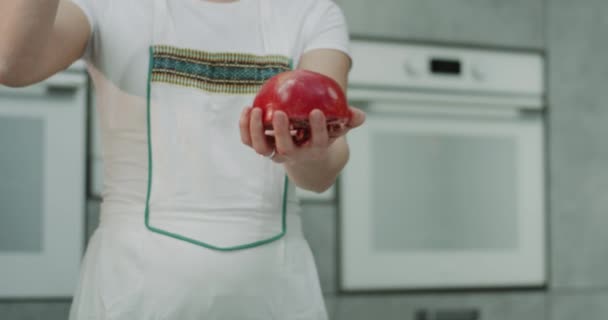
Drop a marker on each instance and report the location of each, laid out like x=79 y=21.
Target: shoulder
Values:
x=309 y=17
x=312 y=24
x=109 y=8
x=303 y=9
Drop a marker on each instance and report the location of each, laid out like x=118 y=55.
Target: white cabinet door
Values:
x=42 y=187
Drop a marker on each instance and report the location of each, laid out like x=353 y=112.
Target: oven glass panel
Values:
x=21 y=184
x=443 y=192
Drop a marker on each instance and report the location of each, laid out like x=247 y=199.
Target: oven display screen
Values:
x=445 y=67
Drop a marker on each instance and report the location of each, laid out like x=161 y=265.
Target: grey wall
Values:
x=513 y=23
x=578 y=78
x=578 y=117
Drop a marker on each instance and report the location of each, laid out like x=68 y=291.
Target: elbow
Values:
x=11 y=80
x=6 y=78
x=9 y=76
x=320 y=188
x=3 y=72
x=316 y=187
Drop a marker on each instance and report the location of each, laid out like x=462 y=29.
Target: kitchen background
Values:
x=569 y=34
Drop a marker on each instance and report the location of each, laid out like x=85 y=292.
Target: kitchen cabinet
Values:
x=93 y=211
x=495 y=306
x=331 y=303
x=578 y=150
x=35 y=310
x=319 y=226
x=514 y=23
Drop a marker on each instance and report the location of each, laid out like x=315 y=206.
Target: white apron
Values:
x=212 y=242
x=197 y=165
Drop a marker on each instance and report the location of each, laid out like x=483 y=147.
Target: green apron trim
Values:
x=180 y=237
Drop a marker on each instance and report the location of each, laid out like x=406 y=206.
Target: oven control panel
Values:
x=398 y=65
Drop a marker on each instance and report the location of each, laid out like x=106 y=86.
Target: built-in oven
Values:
x=445 y=187
x=42 y=185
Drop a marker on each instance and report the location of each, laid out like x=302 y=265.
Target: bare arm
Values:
x=321 y=171
x=315 y=165
x=39 y=38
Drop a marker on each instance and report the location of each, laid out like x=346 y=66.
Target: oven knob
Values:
x=411 y=69
x=478 y=73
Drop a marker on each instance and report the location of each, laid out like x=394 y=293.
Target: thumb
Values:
x=358 y=117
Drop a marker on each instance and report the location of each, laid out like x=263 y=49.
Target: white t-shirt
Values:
x=130 y=273
x=117 y=55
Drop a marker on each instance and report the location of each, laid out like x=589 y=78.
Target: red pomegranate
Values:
x=297 y=93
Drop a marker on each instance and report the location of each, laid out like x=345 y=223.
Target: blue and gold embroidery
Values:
x=231 y=73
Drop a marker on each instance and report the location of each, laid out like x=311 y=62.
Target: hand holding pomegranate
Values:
x=296 y=117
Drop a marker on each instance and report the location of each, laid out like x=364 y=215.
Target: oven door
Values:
x=438 y=199
x=42 y=187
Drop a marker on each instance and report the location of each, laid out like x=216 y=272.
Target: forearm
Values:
x=25 y=26
x=319 y=175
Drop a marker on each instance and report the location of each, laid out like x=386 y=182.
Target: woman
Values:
x=199 y=218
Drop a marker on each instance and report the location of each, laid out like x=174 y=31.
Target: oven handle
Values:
x=428 y=110
x=454 y=100
x=60 y=85
x=373 y=109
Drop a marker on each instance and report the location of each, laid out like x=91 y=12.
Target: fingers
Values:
x=244 y=126
x=252 y=134
x=283 y=139
x=256 y=131
x=357 y=119
x=318 y=129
